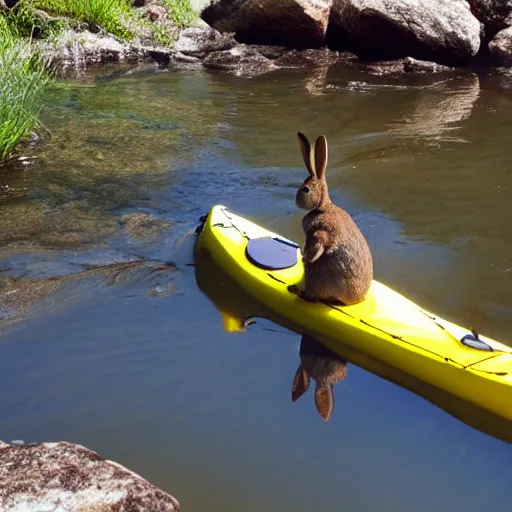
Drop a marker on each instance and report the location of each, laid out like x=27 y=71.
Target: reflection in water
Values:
x=233 y=302
x=324 y=366
x=439 y=109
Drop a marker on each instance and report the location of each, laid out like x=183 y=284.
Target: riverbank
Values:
x=67 y=476
x=245 y=38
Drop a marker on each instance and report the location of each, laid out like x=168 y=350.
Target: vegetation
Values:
x=24 y=75
x=110 y=15
x=181 y=12
x=23 y=81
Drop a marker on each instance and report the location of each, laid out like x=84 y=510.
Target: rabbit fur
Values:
x=338 y=265
x=325 y=367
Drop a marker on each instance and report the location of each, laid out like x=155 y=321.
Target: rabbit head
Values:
x=313 y=192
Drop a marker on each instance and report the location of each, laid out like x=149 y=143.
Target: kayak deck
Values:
x=386 y=325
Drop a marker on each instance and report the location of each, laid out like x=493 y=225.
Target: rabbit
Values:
x=338 y=264
x=325 y=367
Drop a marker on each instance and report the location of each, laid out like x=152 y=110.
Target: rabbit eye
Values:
x=305 y=188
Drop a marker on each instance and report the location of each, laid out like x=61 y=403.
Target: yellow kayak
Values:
x=386 y=325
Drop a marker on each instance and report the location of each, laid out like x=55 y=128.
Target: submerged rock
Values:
x=292 y=23
x=143 y=226
x=444 y=31
x=72 y=478
x=500 y=48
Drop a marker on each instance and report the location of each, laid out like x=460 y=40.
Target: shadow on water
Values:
x=237 y=307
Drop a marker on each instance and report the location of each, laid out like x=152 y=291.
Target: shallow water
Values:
x=132 y=359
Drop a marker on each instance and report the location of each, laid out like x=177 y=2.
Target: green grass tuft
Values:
x=107 y=14
x=23 y=81
x=181 y=12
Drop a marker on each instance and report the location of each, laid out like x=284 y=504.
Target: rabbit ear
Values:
x=307 y=154
x=300 y=383
x=321 y=155
x=324 y=401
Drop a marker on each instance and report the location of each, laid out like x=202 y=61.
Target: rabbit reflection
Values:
x=325 y=367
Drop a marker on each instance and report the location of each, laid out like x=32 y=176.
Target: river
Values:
x=132 y=360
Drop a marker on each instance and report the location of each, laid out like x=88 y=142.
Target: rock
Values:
x=444 y=31
x=312 y=58
x=500 y=48
x=81 y=49
x=241 y=60
x=143 y=226
x=400 y=66
x=155 y=12
x=495 y=15
x=199 y=5
x=271 y=51
x=198 y=42
x=69 y=477
x=291 y=23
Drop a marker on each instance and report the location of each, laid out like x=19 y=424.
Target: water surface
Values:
x=131 y=359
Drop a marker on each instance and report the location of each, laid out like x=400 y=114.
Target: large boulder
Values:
x=444 y=31
x=495 y=15
x=70 y=477
x=291 y=23
x=500 y=48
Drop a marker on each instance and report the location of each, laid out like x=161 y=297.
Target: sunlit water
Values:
x=134 y=361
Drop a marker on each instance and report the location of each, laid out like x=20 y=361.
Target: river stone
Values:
x=242 y=60
x=292 y=23
x=198 y=42
x=501 y=47
x=495 y=15
x=444 y=31
x=69 y=477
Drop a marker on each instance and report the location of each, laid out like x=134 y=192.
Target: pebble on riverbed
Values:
x=66 y=476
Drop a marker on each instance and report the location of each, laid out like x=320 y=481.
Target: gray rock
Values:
x=199 y=5
x=501 y=48
x=313 y=58
x=82 y=49
x=70 y=477
x=495 y=15
x=405 y=65
x=444 y=31
x=241 y=60
x=291 y=23
x=198 y=42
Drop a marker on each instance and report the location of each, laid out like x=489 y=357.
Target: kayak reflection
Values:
x=239 y=310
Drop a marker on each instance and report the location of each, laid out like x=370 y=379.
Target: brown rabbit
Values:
x=338 y=266
x=325 y=367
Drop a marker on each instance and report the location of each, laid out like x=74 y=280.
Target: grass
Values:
x=23 y=81
x=24 y=75
x=107 y=14
x=181 y=12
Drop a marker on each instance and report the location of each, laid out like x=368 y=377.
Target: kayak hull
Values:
x=386 y=325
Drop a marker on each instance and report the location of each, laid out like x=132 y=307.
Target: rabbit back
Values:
x=345 y=269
